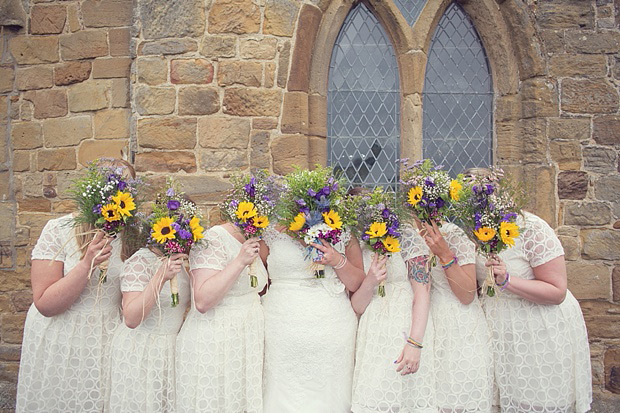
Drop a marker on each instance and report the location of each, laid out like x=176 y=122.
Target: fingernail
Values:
x=395 y=361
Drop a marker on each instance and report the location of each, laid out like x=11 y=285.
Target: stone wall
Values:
x=201 y=88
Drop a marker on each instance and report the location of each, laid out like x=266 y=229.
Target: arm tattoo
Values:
x=417 y=268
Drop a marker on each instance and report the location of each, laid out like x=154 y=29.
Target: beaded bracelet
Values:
x=342 y=263
x=505 y=283
x=414 y=343
x=449 y=263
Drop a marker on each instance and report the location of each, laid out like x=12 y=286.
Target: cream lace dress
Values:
x=541 y=352
x=64 y=358
x=220 y=353
x=142 y=359
x=309 y=333
x=377 y=386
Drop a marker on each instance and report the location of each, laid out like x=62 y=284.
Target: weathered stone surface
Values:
x=168 y=47
x=111 y=67
x=66 y=131
x=162 y=19
x=612 y=371
x=572 y=248
x=588 y=280
x=21 y=161
x=12 y=327
x=111 y=124
x=539 y=98
x=119 y=93
x=152 y=70
x=198 y=101
x=161 y=161
x=7 y=77
x=317 y=150
x=47 y=19
x=615 y=276
x=218 y=132
x=566 y=154
x=234 y=16
x=264 y=123
x=26 y=135
x=109 y=13
x=601 y=244
x=155 y=100
x=288 y=151
x=87 y=96
x=587 y=213
x=283 y=62
x=533 y=140
x=599 y=159
x=224 y=160
x=32 y=50
x=119 y=41
x=594 y=43
x=261 y=48
x=216 y=47
x=22 y=300
x=73 y=19
x=566 y=128
x=578 y=65
x=188 y=71
x=239 y=73
x=203 y=189
x=34 y=77
x=252 y=102
x=309 y=22
x=83 y=45
x=35 y=205
x=607 y=188
x=50 y=103
x=167 y=133
x=56 y=159
x=259 y=150
x=589 y=96
x=280 y=17
x=553 y=40
x=572 y=185
x=270 y=75
x=606 y=129
x=93 y=149
x=565 y=14
x=295 y=113
x=71 y=72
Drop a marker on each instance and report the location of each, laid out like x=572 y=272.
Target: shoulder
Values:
x=533 y=225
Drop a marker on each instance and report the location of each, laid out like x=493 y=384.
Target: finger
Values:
x=400 y=357
x=98 y=236
x=436 y=228
x=319 y=247
x=325 y=243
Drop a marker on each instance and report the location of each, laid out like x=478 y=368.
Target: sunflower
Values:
x=124 y=203
x=110 y=212
x=298 y=222
x=246 y=210
x=391 y=244
x=332 y=219
x=377 y=229
x=194 y=226
x=455 y=187
x=508 y=231
x=485 y=234
x=415 y=194
x=162 y=230
x=261 y=222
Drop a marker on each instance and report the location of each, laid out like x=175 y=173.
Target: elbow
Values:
x=203 y=306
x=558 y=298
x=131 y=323
x=44 y=310
x=467 y=298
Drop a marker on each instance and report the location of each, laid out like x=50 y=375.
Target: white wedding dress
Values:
x=309 y=333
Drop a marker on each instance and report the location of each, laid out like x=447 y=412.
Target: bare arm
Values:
x=377 y=272
x=352 y=273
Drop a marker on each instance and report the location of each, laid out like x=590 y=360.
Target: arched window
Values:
x=410 y=9
x=458 y=96
x=363 y=107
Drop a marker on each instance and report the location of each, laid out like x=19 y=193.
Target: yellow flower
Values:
x=509 y=231
x=377 y=229
x=415 y=194
x=246 y=210
x=124 y=203
x=162 y=230
x=455 y=187
x=298 y=222
x=332 y=219
x=485 y=234
x=261 y=222
x=194 y=225
x=391 y=244
x=110 y=212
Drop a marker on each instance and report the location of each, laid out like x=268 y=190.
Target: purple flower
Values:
x=97 y=209
x=170 y=192
x=429 y=181
x=176 y=226
x=173 y=205
x=437 y=167
x=477 y=220
x=250 y=189
x=509 y=216
x=323 y=203
x=393 y=231
x=325 y=191
x=300 y=202
x=311 y=192
x=365 y=237
x=121 y=185
x=234 y=203
x=440 y=202
x=489 y=189
x=184 y=234
x=476 y=189
x=304 y=210
x=385 y=213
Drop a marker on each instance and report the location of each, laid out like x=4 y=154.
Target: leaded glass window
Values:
x=410 y=9
x=363 y=109
x=458 y=96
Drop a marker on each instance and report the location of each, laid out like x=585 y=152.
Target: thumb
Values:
x=400 y=358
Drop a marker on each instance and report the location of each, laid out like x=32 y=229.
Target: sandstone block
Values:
x=600 y=42
x=607 y=130
x=167 y=133
x=612 y=373
x=84 y=45
x=288 y=151
x=571 y=14
x=607 y=188
x=264 y=123
x=155 y=100
x=309 y=22
x=215 y=47
x=599 y=159
x=120 y=40
x=188 y=71
x=204 y=188
x=572 y=248
x=224 y=160
x=587 y=213
x=252 y=102
x=589 y=96
x=223 y=132
x=161 y=19
x=588 y=280
x=295 y=113
x=34 y=77
x=152 y=70
x=87 y=96
x=259 y=150
x=50 y=103
x=167 y=47
x=47 y=19
x=601 y=244
x=578 y=65
x=318 y=150
x=160 y=161
x=571 y=129
x=4 y=105
x=21 y=161
x=22 y=300
x=71 y=72
x=33 y=50
x=198 y=101
x=100 y=148
x=112 y=124
x=26 y=135
x=12 y=328
x=234 y=16
x=66 y=131
x=283 y=63
x=270 y=74
x=572 y=185
x=261 y=48
x=7 y=77
x=317 y=115
x=553 y=40
x=239 y=73
x=280 y=17
x=73 y=19
x=111 y=67
x=56 y=159
x=616 y=283
x=109 y=13
x=532 y=133
x=119 y=93
x=566 y=154
x=35 y=205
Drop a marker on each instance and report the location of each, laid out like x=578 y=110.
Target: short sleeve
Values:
x=213 y=256
x=138 y=270
x=462 y=247
x=412 y=245
x=51 y=242
x=540 y=244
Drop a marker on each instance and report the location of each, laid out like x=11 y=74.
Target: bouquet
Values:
x=378 y=224
x=250 y=204
x=105 y=199
x=174 y=227
x=311 y=209
x=487 y=211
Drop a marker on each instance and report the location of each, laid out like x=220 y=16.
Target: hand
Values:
x=171 y=266
x=99 y=249
x=436 y=242
x=499 y=268
x=330 y=257
x=249 y=251
x=409 y=360
x=377 y=271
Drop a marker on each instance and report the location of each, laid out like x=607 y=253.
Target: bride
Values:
x=309 y=322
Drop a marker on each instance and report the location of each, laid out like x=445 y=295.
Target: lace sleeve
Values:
x=213 y=256
x=52 y=240
x=138 y=270
x=412 y=244
x=461 y=246
x=269 y=235
x=540 y=244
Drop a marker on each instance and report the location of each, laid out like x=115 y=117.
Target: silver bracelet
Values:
x=342 y=262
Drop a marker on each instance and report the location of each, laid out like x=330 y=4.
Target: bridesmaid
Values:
x=377 y=382
x=220 y=347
